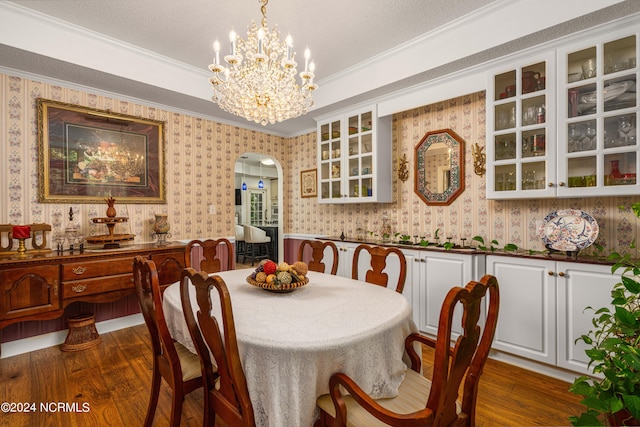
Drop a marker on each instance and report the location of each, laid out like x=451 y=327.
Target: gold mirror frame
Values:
x=439 y=175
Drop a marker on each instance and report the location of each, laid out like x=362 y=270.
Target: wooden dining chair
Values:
x=171 y=360
x=423 y=402
x=210 y=260
x=378 y=263
x=226 y=393
x=317 y=255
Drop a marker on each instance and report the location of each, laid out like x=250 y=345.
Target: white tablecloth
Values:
x=290 y=344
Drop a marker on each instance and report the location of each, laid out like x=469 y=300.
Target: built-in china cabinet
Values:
x=597 y=114
x=563 y=123
x=521 y=137
x=354 y=157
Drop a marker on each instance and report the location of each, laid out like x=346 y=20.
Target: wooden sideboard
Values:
x=41 y=285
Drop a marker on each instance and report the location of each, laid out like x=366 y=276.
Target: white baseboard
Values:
x=26 y=345
x=532 y=365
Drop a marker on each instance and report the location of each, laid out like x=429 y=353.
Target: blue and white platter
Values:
x=569 y=230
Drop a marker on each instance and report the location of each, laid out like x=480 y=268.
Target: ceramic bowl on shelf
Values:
x=574 y=77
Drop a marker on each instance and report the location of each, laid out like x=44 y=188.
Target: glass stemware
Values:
x=589 y=142
x=624 y=129
x=575 y=138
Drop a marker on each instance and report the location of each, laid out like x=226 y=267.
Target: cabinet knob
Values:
x=550 y=273
x=423 y=260
x=78 y=270
x=561 y=274
x=550 y=184
x=561 y=184
x=79 y=288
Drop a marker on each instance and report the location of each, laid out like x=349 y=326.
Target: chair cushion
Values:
x=189 y=363
x=255 y=235
x=239 y=233
x=412 y=396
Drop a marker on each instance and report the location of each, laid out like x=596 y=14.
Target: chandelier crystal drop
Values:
x=259 y=81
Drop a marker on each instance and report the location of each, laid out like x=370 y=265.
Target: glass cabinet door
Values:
x=360 y=155
x=353 y=167
x=598 y=114
x=330 y=161
x=521 y=131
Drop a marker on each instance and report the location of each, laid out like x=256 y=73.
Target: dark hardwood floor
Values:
x=109 y=386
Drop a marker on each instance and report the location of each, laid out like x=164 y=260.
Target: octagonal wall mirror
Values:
x=439 y=167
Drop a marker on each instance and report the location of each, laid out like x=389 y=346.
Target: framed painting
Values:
x=309 y=183
x=86 y=155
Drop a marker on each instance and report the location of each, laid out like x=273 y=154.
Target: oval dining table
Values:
x=291 y=343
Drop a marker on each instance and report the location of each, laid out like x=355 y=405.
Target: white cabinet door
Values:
x=441 y=272
x=354 y=157
x=579 y=286
x=521 y=155
x=597 y=116
x=527 y=316
x=345 y=256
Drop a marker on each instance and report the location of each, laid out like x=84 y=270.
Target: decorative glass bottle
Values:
x=385 y=230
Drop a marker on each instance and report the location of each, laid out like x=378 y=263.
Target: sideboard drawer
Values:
x=98 y=285
x=88 y=269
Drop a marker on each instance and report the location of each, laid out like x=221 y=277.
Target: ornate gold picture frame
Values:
x=86 y=155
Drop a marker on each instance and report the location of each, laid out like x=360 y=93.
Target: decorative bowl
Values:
x=278 y=288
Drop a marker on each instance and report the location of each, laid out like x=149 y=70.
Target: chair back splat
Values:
x=210 y=261
x=171 y=360
x=316 y=262
x=441 y=401
x=379 y=256
x=230 y=399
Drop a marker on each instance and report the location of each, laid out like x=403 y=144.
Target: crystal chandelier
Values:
x=259 y=81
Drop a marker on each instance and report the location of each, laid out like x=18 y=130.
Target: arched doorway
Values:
x=258 y=188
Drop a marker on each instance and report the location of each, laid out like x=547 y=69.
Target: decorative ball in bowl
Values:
x=279 y=278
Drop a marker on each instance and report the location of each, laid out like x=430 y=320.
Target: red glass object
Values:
x=615 y=170
x=21 y=231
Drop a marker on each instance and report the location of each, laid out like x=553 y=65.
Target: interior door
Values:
x=257 y=206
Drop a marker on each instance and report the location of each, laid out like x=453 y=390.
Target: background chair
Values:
x=229 y=400
x=420 y=401
x=240 y=243
x=378 y=263
x=210 y=261
x=171 y=360
x=256 y=239
x=317 y=255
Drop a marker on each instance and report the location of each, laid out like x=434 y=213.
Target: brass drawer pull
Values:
x=79 y=288
x=79 y=270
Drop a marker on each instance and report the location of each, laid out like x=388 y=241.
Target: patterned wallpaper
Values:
x=200 y=159
x=513 y=221
x=199 y=171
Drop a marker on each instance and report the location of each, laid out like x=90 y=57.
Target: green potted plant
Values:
x=614 y=353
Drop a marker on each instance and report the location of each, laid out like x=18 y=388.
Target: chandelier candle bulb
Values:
x=260 y=41
x=216 y=49
x=307 y=55
x=232 y=38
x=289 y=42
